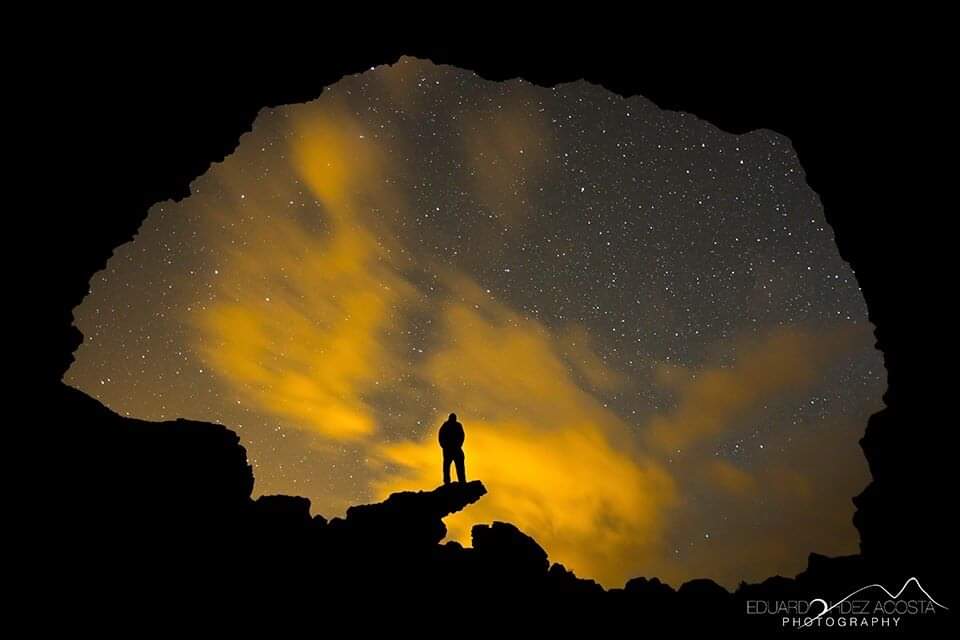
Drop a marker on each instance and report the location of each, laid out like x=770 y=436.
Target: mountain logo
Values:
x=893 y=605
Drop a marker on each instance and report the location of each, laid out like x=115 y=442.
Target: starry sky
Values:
x=661 y=362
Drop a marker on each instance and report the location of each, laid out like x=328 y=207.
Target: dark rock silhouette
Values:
x=185 y=509
x=413 y=520
x=291 y=509
x=130 y=510
x=507 y=553
x=649 y=588
x=503 y=543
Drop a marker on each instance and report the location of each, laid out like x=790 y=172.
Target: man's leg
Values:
x=446 y=468
x=461 y=468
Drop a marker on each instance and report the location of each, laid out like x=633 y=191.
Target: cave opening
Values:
x=661 y=360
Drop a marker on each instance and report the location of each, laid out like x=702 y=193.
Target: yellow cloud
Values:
x=555 y=461
x=580 y=352
x=787 y=361
x=797 y=500
x=730 y=477
x=507 y=148
x=301 y=317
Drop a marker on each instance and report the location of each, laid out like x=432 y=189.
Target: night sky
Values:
x=661 y=362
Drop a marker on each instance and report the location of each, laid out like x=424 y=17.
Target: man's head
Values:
x=453 y=417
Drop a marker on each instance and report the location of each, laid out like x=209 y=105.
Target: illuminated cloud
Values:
x=556 y=462
x=786 y=361
x=730 y=478
x=303 y=328
x=569 y=471
x=507 y=148
x=794 y=505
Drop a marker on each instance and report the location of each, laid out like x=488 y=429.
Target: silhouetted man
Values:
x=451 y=441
